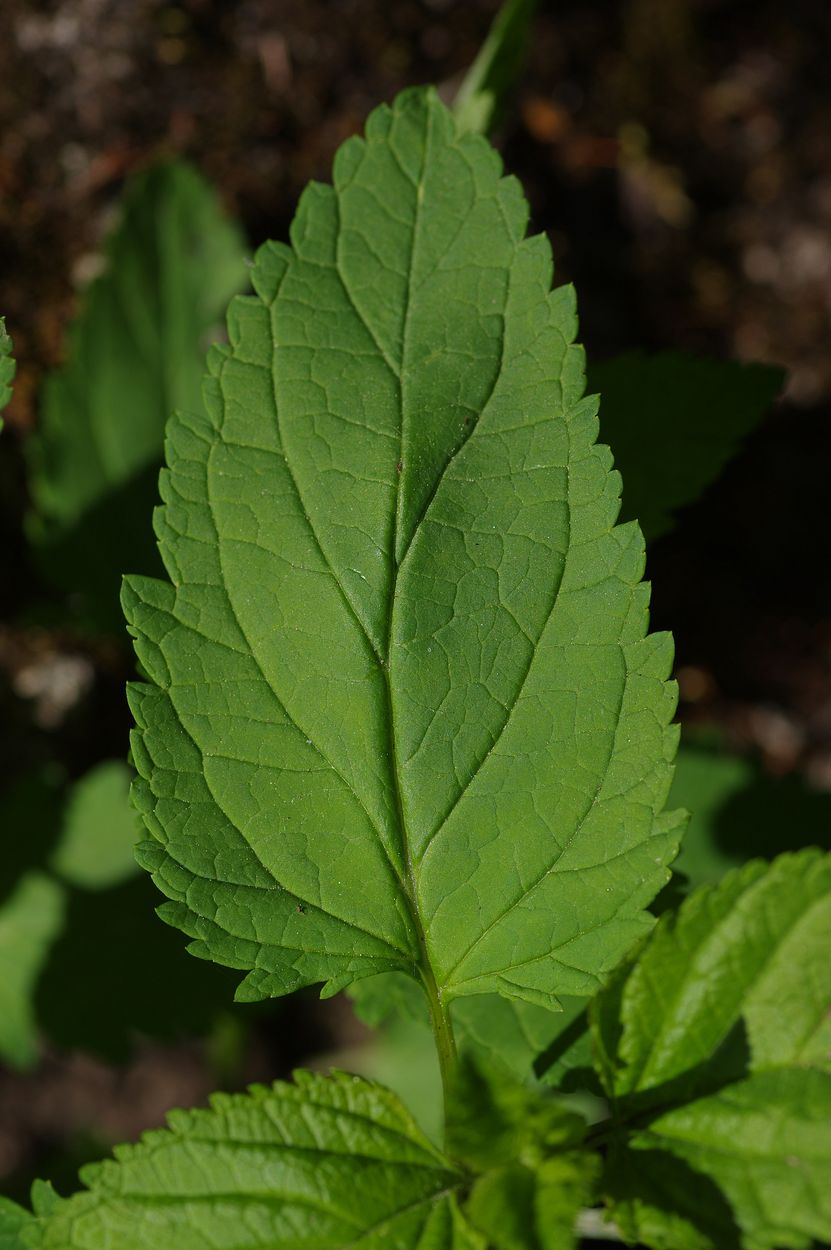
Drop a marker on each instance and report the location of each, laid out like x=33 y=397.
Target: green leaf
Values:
x=13 y=1220
x=98 y=838
x=715 y=1043
x=739 y=812
x=30 y=919
x=519 y=1208
x=727 y=956
x=135 y=353
x=480 y=100
x=7 y=366
x=327 y=1163
x=672 y=422
x=765 y=1143
x=71 y=879
x=402 y=712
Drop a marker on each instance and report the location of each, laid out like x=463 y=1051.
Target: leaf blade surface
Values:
x=328 y=1163
x=401 y=620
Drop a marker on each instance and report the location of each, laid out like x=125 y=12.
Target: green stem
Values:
x=442 y=1033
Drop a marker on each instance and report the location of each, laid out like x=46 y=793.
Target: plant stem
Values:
x=442 y=1033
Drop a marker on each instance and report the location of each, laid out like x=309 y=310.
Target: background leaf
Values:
x=480 y=100
x=327 y=1162
x=740 y=812
x=401 y=612
x=7 y=367
x=70 y=879
x=30 y=920
x=13 y=1220
x=672 y=422
x=135 y=354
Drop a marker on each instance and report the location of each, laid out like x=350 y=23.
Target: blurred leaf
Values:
x=7 y=367
x=739 y=812
x=672 y=422
x=72 y=897
x=135 y=354
x=30 y=920
x=100 y=828
x=13 y=1219
x=480 y=100
x=522 y=1208
x=492 y=1118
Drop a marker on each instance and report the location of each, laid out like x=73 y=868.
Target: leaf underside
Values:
x=327 y=1162
x=403 y=713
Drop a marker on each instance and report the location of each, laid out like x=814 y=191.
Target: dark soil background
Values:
x=678 y=154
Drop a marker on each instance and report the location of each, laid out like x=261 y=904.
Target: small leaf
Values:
x=403 y=713
x=727 y=956
x=135 y=353
x=672 y=422
x=480 y=100
x=7 y=367
x=329 y=1162
x=30 y=920
x=765 y=1143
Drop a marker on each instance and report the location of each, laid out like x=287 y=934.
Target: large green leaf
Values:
x=135 y=353
x=403 y=713
x=715 y=1045
x=328 y=1163
x=7 y=367
x=673 y=421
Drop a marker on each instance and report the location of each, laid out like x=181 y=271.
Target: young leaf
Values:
x=30 y=920
x=715 y=1044
x=764 y=1143
x=7 y=367
x=672 y=422
x=403 y=712
x=728 y=955
x=328 y=1162
x=135 y=353
x=480 y=99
